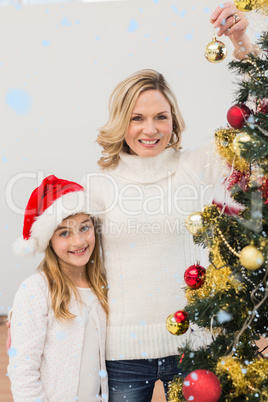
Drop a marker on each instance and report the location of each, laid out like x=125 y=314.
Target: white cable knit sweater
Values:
x=45 y=353
x=142 y=205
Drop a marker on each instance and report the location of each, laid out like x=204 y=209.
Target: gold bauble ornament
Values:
x=251 y=258
x=215 y=51
x=194 y=223
x=177 y=323
x=239 y=141
x=245 y=5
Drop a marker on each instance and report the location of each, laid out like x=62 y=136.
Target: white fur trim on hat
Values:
x=25 y=247
x=45 y=225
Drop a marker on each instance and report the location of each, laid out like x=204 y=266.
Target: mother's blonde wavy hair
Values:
x=122 y=101
x=62 y=287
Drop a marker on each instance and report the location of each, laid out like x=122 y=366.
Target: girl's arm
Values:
x=28 y=333
x=8 y=341
x=233 y=23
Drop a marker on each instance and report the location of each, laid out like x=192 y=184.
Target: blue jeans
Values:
x=133 y=380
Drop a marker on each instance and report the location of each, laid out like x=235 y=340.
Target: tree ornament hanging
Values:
x=201 y=386
x=194 y=276
x=215 y=51
x=251 y=258
x=177 y=323
x=194 y=223
x=239 y=142
x=237 y=115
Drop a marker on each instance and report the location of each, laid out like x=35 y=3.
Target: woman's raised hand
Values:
x=232 y=23
x=229 y=20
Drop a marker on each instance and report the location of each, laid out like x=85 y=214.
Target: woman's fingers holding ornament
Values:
x=241 y=25
x=222 y=12
x=228 y=19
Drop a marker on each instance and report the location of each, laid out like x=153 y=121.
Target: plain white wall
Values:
x=58 y=66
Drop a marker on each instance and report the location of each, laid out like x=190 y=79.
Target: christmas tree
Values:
x=229 y=298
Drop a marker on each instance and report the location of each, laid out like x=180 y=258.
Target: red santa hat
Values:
x=49 y=204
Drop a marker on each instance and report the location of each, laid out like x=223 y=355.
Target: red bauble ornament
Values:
x=177 y=323
x=201 y=386
x=194 y=276
x=181 y=316
x=237 y=115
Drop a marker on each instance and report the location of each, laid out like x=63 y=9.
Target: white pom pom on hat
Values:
x=49 y=204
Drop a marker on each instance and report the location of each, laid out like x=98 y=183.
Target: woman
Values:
x=143 y=195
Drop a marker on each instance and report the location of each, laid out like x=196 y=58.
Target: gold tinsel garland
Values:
x=244 y=377
x=210 y=213
x=217 y=260
x=224 y=143
x=216 y=281
x=219 y=276
x=174 y=390
x=249 y=5
x=219 y=279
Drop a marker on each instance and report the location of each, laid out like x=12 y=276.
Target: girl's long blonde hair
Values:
x=62 y=287
x=122 y=101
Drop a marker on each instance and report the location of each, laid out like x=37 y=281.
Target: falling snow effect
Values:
x=133 y=26
x=12 y=352
x=174 y=8
x=19 y=100
x=65 y=23
x=102 y=373
x=61 y=335
x=45 y=43
x=189 y=36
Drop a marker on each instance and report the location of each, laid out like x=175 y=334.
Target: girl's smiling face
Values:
x=150 y=127
x=73 y=241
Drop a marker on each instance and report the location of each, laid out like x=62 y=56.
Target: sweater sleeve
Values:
x=28 y=333
x=206 y=164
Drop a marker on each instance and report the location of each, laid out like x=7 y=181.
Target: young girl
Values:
x=58 y=323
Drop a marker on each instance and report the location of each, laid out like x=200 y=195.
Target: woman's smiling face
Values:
x=150 y=127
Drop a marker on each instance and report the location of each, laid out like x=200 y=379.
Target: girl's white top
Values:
x=142 y=205
x=45 y=354
x=89 y=378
